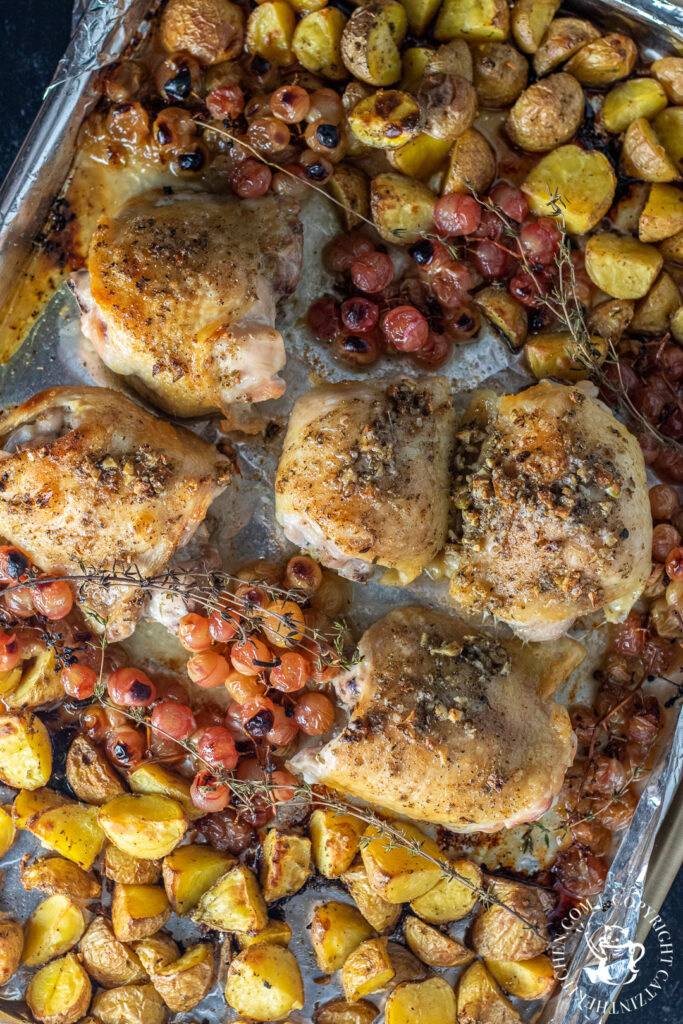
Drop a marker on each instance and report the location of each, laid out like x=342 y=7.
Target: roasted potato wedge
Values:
x=108 y=961
x=414 y=66
x=452 y=58
x=639 y=97
x=420 y=13
x=505 y=314
x=270 y=32
x=672 y=248
x=434 y=947
x=138 y=911
x=406 y=965
x=350 y=186
x=500 y=935
x=285 y=864
x=563 y=38
x=38 y=683
x=210 y=30
x=338 y=1011
x=25 y=752
x=480 y=999
x=472 y=165
x=530 y=20
x=386 y=120
x=653 y=313
x=610 y=319
x=547 y=114
x=500 y=73
x=11 y=945
x=382 y=915
x=316 y=43
x=399 y=875
x=476 y=21
x=72 y=830
x=336 y=930
x=130 y=1004
x=156 y=951
x=147 y=826
x=623 y=267
x=335 y=840
x=603 y=60
x=154 y=778
x=402 y=208
x=447 y=104
x=233 y=904
x=422 y=1002
x=662 y=215
x=625 y=214
x=7 y=830
x=643 y=156
x=525 y=979
x=184 y=982
x=669 y=128
x=368 y=969
x=669 y=73
x=584 y=180
x=123 y=867
x=370 y=42
x=60 y=992
x=189 y=871
x=556 y=355
x=90 y=774
x=264 y=983
x=275 y=933
x=450 y=900
x=55 y=926
x=29 y=804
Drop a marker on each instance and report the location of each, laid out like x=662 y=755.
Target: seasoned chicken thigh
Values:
x=552 y=510
x=180 y=295
x=86 y=475
x=450 y=725
x=363 y=477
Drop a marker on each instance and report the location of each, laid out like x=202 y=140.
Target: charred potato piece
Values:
x=7 y=830
x=450 y=900
x=480 y=999
x=336 y=930
x=530 y=20
x=130 y=1004
x=38 y=683
x=285 y=864
x=368 y=969
x=11 y=945
x=563 y=38
x=672 y=248
x=350 y=186
x=275 y=933
x=386 y=120
x=526 y=979
x=90 y=775
x=317 y=43
x=434 y=947
x=500 y=73
x=190 y=871
x=584 y=180
x=270 y=32
x=210 y=30
x=338 y=1011
x=154 y=778
x=382 y=915
x=653 y=313
x=123 y=867
x=556 y=355
x=643 y=156
x=402 y=209
x=25 y=752
x=233 y=904
x=669 y=73
x=60 y=992
x=508 y=317
x=264 y=983
x=55 y=926
x=639 y=97
x=72 y=830
x=397 y=873
x=138 y=911
x=611 y=319
x=501 y=936
x=370 y=42
x=335 y=840
x=669 y=128
x=547 y=114
x=662 y=215
x=447 y=103
x=604 y=60
x=156 y=952
x=419 y=14
x=108 y=961
x=623 y=267
x=147 y=826
x=184 y=982
x=474 y=21
x=421 y=1002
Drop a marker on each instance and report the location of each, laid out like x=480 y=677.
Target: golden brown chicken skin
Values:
x=552 y=516
x=450 y=725
x=86 y=475
x=363 y=476
x=180 y=295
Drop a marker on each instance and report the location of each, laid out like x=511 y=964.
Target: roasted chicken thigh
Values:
x=552 y=512
x=363 y=476
x=180 y=295
x=450 y=725
x=88 y=476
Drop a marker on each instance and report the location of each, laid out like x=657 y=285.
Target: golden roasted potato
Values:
x=604 y=60
x=447 y=103
x=264 y=983
x=147 y=826
x=475 y=21
x=530 y=20
x=624 y=215
x=108 y=961
x=350 y=186
x=420 y=13
x=30 y=803
x=505 y=314
x=90 y=774
x=643 y=156
x=60 y=992
x=338 y=1011
x=156 y=951
x=184 y=982
x=55 y=926
x=677 y=325
x=525 y=979
x=370 y=41
x=480 y=999
x=189 y=871
x=563 y=38
x=130 y=1004
x=70 y=829
x=414 y=65
x=421 y=1002
x=368 y=969
x=396 y=873
x=623 y=267
x=662 y=215
x=500 y=73
x=669 y=128
x=500 y=935
x=316 y=43
x=211 y=30
x=583 y=180
x=556 y=355
x=406 y=965
x=382 y=915
x=669 y=73
x=386 y=120
x=11 y=945
x=123 y=867
x=452 y=58
x=672 y=248
x=653 y=313
x=402 y=208
x=639 y=97
x=336 y=930
x=25 y=752
x=285 y=864
x=610 y=319
x=7 y=830
x=547 y=114
x=422 y=157
x=275 y=933
x=233 y=904
x=38 y=682
x=270 y=32
x=434 y=947
x=154 y=778
x=335 y=840
x=138 y=911
x=472 y=165
x=450 y=900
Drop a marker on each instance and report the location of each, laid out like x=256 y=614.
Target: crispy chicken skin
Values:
x=450 y=725
x=552 y=512
x=86 y=474
x=180 y=295
x=363 y=476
